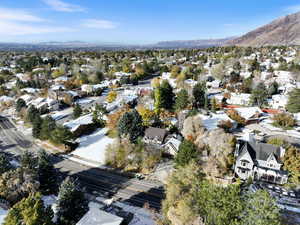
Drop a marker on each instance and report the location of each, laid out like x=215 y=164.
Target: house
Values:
x=213 y=120
x=239 y=99
x=213 y=84
x=48 y=103
x=278 y=101
x=172 y=146
x=154 y=135
x=81 y=125
x=97 y=216
x=250 y=114
x=259 y=161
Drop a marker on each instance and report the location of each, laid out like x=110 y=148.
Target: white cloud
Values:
x=292 y=8
x=99 y=24
x=61 y=6
x=15 y=29
x=18 y=15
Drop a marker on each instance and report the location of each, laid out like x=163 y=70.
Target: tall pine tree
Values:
x=72 y=204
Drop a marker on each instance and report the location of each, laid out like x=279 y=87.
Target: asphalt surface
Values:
x=94 y=180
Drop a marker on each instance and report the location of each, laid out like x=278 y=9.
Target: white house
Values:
x=211 y=121
x=260 y=161
x=278 y=101
x=172 y=146
x=239 y=99
x=249 y=113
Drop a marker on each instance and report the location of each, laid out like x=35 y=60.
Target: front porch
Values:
x=270 y=175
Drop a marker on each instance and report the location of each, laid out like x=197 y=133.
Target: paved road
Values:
x=116 y=185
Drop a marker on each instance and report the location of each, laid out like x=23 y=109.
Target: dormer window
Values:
x=244 y=163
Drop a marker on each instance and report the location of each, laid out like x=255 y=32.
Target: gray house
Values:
x=154 y=135
x=260 y=161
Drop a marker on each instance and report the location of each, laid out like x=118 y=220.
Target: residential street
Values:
x=94 y=180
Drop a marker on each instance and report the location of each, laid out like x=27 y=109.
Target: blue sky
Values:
x=135 y=21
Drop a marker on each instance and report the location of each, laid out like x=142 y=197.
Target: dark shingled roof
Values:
x=260 y=151
x=154 y=132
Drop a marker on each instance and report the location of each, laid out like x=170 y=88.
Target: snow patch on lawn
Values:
x=92 y=147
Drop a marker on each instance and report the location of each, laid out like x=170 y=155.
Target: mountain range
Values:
x=282 y=31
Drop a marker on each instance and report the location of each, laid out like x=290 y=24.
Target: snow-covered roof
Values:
x=61 y=79
x=5 y=98
x=57 y=87
x=83 y=120
x=84 y=101
x=72 y=93
x=30 y=90
x=248 y=112
x=212 y=121
x=27 y=98
x=96 y=216
x=175 y=142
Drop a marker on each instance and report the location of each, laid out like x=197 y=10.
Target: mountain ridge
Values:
x=281 y=31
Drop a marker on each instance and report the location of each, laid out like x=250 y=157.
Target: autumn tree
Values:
x=284 y=120
x=112 y=96
x=30 y=211
x=292 y=163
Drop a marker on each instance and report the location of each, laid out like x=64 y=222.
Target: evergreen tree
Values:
x=28 y=161
x=47 y=126
x=20 y=104
x=29 y=211
x=4 y=163
x=131 y=123
x=293 y=105
x=32 y=113
x=273 y=89
x=61 y=135
x=187 y=151
x=259 y=95
x=98 y=115
x=164 y=96
x=77 y=111
x=46 y=173
x=261 y=209
x=199 y=95
x=182 y=100
x=72 y=204
x=36 y=127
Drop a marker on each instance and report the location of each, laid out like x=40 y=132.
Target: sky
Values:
x=135 y=21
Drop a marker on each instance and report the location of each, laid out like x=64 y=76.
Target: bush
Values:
x=234 y=115
x=284 y=120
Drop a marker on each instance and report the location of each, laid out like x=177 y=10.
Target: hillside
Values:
x=282 y=31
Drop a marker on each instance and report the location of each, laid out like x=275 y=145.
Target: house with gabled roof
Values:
x=260 y=161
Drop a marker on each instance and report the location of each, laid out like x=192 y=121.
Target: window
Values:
x=244 y=163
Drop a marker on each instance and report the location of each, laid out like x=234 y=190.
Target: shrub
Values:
x=284 y=120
